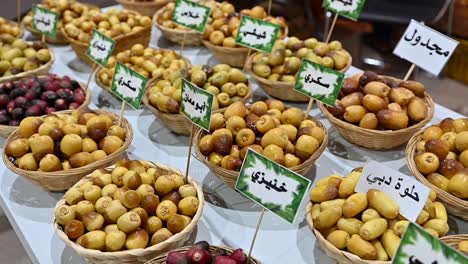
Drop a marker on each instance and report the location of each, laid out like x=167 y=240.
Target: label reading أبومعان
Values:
x=419 y=247
x=407 y=192
x=100 y=48
x=192 y=15
x=45 y=21
x=196 y=104
x=272 y=186
x=257 y=34
x=347 y=8
x=425 y=47
x=129 y=85
x=319 y=82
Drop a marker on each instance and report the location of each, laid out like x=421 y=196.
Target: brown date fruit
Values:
x=350 y=86
x=367 y=77
x=438 y=147
x=447 y=125
x=222 y=141
x=392 y=120
x=74 y=229
x=337 y=110
x=450 y=167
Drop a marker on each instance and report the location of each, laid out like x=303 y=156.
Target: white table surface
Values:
x=228 y=218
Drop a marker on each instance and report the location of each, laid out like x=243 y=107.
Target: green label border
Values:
x=204 y=122
x=354 y=15
x=50 y=34
x=264 y=48
x=102 y=62
x=133 y=102
x=200 y=27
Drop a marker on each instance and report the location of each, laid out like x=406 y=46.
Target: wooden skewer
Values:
x=189 y=153
x=255 y=234
x=331 y=28
x=122 y=110
x=410 y=71
x=269 y=7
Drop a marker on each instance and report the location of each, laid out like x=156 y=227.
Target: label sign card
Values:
x=406 y=191
x=129 y=85
x=191 y=15
x=257 y=34
x=319 y=82
x=347 y=8
x=419 y=247
x=272 y=186
x=100 y=48
x=45 y=21
x=196 y=104
x=425 y=47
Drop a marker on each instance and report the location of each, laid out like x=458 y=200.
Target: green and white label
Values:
x=196 y=104
x=319 y=82
x=100 y=48
x=257 y=34
x=191 y=15
x=45 y=21
x=347 y=8
x=129 y=85
x=419 y=247
x=272 y=186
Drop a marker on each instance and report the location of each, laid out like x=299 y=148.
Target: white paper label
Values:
x=425 y=47
x=410 y=194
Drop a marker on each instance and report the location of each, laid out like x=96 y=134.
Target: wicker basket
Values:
x=234 y=57
x=192 y=37
x=63 y=180
x=282 y=90
x=340 y=256
x=453 y=240
x=6 y=131
x=178 y=123
x=230 y=177
x=162 y=258
x=454 y=205
x=377 y=139
x=138 y=255
x=122 y=42
x=147 y=8
x=41 y=70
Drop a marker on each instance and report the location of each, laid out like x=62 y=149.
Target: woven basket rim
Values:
x=217 y=48
x=143 y=4
x=63 y=173
x=42 y=68
x=189 y=32
x=85 y=104
x=444 y=196
x=136 y=252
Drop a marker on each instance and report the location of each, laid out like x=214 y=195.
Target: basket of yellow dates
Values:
x=438 y=157
x=459 y=242
x=163 y=97
x=285 y=135
x=130 y=212
x=363 y=228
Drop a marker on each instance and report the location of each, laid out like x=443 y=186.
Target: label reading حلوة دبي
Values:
x=190 y=14
x=319 y=82
x=425 y=47
x=417 y=246
x=100 y=48
x=129 y=85
x=45 y=21
x=272 y=186
x=347 y=8
x=196 y=104
x=407 y=192
x=257 y=34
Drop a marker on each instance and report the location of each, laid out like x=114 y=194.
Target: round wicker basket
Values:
x=138 y=255
x=178 y=123
x=146 y=8
x=454 y=205
x=5 y=131
x=340 y=256
x=234 y=57
x=378 y=139
x=282 y=90
x=191 y=37
x=41 y=70
x=162 y=258
x=63 y=180
x=453 y=240
x=230 y=177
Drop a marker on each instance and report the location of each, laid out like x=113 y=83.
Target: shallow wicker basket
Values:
x=453 y=240
x=234 y=57
x=41 y=70
x=162 y=258
x=122 y=42
x=63 y=180
x=178 y=123
x=147 y=8
x=340 y=256
x=138 y=255
x=192 y=37
x=454 y=205
x=5 y=131
x=283 y=90
x=378 y=139
x=230 y=177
